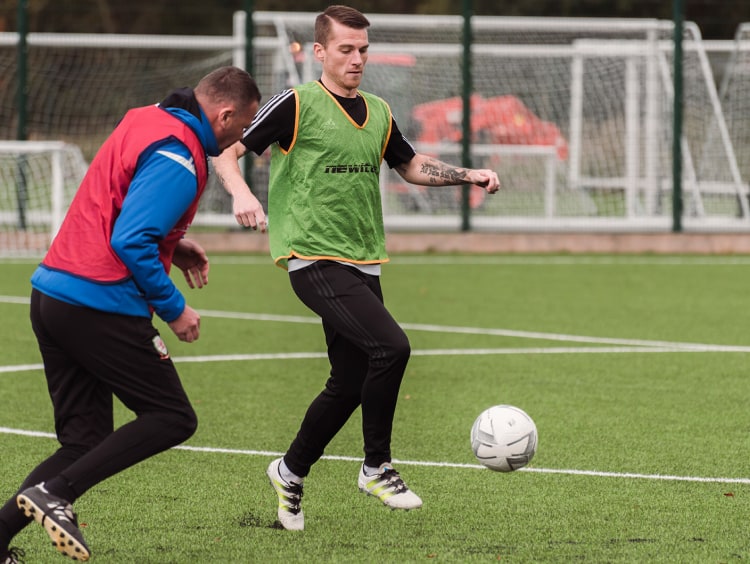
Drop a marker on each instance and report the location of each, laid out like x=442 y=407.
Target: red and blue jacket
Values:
x=114 y=249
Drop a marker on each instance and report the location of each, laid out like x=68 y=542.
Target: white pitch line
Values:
x=449 y=352
x=570 y=472
x=251 y=356
x=665 y=477
x=259 y=316
x=15 y=300
x=20 y=368
x=490 y=332
x=564 y=350
x=25 y=433
x=426 y=352
x=703 y=347
x=569 y=338
x=620 y=346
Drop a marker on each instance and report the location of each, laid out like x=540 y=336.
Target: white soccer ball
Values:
x=504 y=438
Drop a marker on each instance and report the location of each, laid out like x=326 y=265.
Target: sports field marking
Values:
x=617 y=346
x=425 y=352
x=15 y=300
x=666 y=346
x=492 y=332
x=20 y=367
x=593 y=473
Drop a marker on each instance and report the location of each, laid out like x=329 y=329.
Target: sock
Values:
x=372 y=470
x=12 y=522
x=288 y=475
x=61 y=488
x=5 y=538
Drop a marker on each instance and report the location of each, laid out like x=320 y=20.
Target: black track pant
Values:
x=89 y=356
x=368 y=352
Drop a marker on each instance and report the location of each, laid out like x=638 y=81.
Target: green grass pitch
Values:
x=634 y=368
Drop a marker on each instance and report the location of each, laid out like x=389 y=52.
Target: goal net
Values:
x=734 y=95
x=38 y=180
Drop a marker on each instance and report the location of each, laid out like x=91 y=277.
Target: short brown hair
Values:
x=344 y=15
x=229 y=84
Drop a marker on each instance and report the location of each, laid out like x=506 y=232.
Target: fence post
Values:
x=678 y=11
x=249 y=34
x=21 y=93
x=22 y=101
x=466 y=122
x=249 y=67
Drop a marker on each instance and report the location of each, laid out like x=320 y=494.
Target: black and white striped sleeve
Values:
x=274 y=123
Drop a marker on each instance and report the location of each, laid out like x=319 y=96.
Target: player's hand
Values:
x=187 y=327
x=248 y=211
x=190 y=257
x=486 y=179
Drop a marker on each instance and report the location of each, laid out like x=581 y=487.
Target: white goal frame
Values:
x=48 y=215
x=645 y=179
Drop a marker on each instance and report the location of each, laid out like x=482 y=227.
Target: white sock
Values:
x=288 y=475
x=371 y=470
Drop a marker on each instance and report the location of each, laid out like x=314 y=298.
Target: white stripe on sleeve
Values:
x=187 y=163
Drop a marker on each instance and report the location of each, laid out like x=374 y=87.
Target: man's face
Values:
x=234 y=122
x=343 y=58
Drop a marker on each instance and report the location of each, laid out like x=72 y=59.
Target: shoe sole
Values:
x=61 y=540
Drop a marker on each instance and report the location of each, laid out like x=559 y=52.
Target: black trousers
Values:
x=89 y=357
x=368 y=353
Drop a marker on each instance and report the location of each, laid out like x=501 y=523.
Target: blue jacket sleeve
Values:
x=159 y=194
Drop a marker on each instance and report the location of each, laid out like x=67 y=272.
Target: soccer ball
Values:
x=504 y=438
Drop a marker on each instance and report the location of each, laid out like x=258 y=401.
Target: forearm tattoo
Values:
x=442 y=174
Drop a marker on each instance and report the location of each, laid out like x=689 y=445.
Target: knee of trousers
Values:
x=392 y=358
x=177 y=426
x=399 y=349
x=188 y=424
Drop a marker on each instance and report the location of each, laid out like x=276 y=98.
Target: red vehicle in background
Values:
x=500 y=120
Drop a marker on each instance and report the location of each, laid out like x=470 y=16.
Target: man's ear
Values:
x=225 y=115
x=319 y=51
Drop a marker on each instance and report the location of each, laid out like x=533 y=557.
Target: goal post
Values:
x=648 y=97
x=734 y=97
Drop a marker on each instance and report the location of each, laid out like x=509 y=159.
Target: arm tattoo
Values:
x=441 y=174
